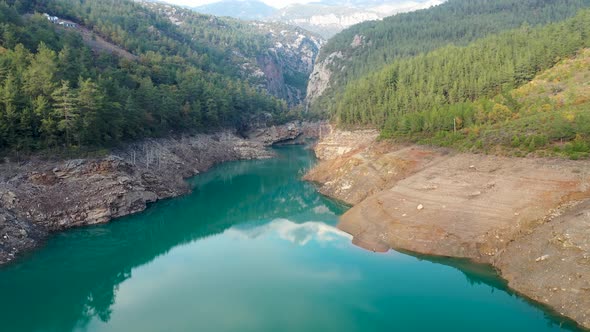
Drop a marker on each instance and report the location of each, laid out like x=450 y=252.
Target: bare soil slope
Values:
x=99 y=44
x=514 y=213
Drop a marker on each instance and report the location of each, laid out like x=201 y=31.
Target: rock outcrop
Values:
x=42 y=196
x=319 y=79
x=289 y=61
x=17 y=235
x=527 y=217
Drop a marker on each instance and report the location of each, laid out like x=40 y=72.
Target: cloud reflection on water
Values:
x=297 y=233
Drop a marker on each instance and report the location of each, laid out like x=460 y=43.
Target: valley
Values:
x=159 y=161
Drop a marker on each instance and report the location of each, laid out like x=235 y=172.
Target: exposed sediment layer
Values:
x=38 y=197
x=530 y=218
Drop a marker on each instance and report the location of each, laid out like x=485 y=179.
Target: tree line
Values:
x=55 y=92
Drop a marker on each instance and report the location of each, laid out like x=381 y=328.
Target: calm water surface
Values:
x=252 y=249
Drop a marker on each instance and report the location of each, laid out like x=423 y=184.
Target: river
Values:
x=253 y=248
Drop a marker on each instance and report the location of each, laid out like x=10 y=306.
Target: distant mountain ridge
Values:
x=329 y=17
x=325 y=17
x=241 y=9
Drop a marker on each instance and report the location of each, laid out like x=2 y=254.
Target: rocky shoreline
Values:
x=38 y=197
x=529 y=218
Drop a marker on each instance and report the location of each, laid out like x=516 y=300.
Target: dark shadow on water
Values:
x=476 y=273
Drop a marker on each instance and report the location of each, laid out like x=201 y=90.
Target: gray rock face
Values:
x=40 y=196
x=287 y=65
x=17 y=235
x=319 y=80
x=269 y=136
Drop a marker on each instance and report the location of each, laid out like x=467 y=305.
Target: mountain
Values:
x=241 y=9
x=88 y=75
x=369 y=46
x=274 y=56
x=327 y=18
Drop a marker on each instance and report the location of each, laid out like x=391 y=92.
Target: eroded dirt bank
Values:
x=530 y=218
x=38 y=197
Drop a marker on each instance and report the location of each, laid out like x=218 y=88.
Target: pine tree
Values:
x=89 y=104
x=64 y=108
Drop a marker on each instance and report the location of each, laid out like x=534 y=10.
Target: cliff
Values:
x=529 y=218
x=287 y=64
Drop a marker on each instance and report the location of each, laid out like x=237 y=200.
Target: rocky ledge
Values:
x=529 y=218
x=38 y=196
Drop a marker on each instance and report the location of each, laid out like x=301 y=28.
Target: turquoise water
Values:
x=252 y=249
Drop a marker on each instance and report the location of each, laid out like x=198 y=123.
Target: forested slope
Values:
x=546 y=117
x=55 y=92
x=367 y=47
x=464 y=97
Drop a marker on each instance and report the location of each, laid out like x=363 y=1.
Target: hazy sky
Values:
x=274 y=3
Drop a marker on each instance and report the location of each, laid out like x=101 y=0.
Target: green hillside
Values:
x=457 y=22
x=469 y=97
x=55 y=92
x=547 y=117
